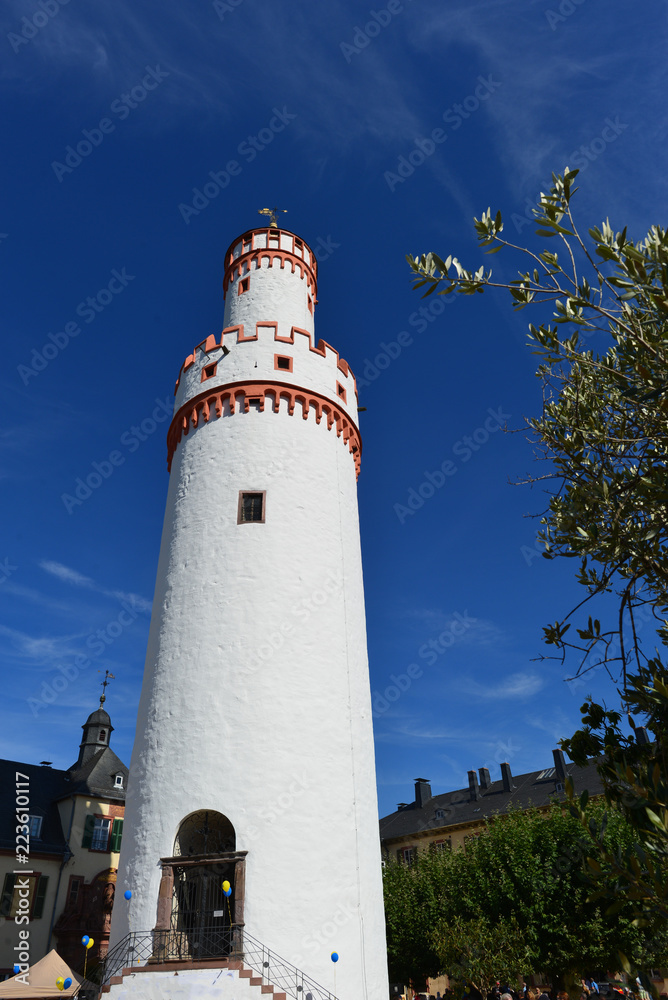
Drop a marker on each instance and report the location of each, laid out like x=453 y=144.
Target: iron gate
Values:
x=201 y=912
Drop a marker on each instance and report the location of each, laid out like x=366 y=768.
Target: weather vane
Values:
x=107 y=677
x=271 y=212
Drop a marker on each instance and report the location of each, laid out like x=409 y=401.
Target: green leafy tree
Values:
x=522 y=873
x=603 y=431
x=478 y=953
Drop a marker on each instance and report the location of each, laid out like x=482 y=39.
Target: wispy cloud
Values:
x=521 y=685
x=557 y=724
x=35 y=597
x=432 y=621
x=67 y=574
x=72 y=576
x=44 y=650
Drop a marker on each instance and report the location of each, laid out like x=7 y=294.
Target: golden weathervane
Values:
x=271 y=212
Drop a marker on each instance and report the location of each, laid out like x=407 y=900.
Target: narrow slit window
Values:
x=282 y=362
x=209 y=371
x=251 y=508
x=244 y=285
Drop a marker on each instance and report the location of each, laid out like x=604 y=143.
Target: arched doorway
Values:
x=197 y=920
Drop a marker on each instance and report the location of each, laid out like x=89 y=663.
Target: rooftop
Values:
x=484 y=798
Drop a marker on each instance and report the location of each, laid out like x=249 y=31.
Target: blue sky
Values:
x=111 y=277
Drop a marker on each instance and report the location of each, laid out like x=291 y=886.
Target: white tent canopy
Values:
x=41 y=979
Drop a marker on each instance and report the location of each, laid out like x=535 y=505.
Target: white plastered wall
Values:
x=256 y=698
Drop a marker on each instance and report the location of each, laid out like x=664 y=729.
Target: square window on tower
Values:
x=282 y=362
x=251 y=508
x=244 y=285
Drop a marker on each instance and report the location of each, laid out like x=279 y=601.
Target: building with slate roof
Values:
x=448 y=820
x=73 y=837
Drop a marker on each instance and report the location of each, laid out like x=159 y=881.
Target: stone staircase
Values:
x=215 y=980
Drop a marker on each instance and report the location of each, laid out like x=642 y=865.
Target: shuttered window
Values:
x=36 y=886
x=96 y=833
x=40 y=896
x=7 y=895
x=116 y=835
x=89 y=826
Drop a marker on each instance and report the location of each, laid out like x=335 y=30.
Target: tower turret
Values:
x=254 y=751
x=97 y=730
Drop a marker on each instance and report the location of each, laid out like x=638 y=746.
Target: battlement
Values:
x=268 y=354
x=249 y=250
x=227 y=401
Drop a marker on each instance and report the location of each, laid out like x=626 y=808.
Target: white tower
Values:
x=254 y=756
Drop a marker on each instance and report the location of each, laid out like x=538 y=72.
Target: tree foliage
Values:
x=636 y=782
x=479 y=953
x=604 y=432
x=521 y=875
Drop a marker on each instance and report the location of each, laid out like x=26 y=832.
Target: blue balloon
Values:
x=17 y=969
x=335 y=956
x=84 y=940
x=227 y=892
x=128 y=894
x=67 y=983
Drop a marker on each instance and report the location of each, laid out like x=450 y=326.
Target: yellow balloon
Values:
x=90 y=943
x=60 y=982
x=226 y=885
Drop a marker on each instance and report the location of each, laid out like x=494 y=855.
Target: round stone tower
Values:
x=254 y=759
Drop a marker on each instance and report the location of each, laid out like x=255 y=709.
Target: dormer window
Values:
x=103 y=735
x=118 y=781
x=35 y=827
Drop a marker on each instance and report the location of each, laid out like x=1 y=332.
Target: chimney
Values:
x=642 y=738
x=485 y=780
x=559 y=765
x=474 y=791
x=422 y=792
x=507 y=777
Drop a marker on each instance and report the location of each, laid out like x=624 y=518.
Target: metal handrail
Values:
x=281 y=973
x=144 y=948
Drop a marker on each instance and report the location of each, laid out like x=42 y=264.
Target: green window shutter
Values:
x=89 y=826
x=40 y=896
x=116 y=835
x=7 y=895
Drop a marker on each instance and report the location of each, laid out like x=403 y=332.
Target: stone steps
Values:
x=214 y=980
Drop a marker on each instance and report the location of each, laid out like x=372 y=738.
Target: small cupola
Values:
x=97 y=730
